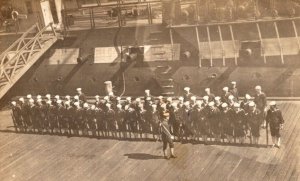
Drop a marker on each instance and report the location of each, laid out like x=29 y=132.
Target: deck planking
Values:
x=51 y=157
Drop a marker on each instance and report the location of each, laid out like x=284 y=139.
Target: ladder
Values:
x=23 y=53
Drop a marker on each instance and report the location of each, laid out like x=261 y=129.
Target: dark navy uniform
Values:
x=17 y=117
x=275 y=119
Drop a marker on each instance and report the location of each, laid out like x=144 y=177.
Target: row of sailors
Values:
x=191 y=118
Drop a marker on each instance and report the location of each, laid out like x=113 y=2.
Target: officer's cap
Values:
x=79 y=89
x=21 y=99
x=169 y=99
x=76 y=103
x=76 y=97
x=193 y=98
x=217 y=98
x=38 y=97
x=187 y=89
x=258 y=87
x=29 y=96
x=247 y=96
x=14 y=103
x=230 y=97
x=181 y=98
x=251 y=104
x=207 y=89
x=205 y=98
x=224 y=105
x=236 y=105
x=85 y=105
x=225 y=89
x=210 y=104
x=59 y=102
x=233 y=82
x=119 y=106
x=272 y=103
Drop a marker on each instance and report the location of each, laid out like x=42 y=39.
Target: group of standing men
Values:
x=215 y=117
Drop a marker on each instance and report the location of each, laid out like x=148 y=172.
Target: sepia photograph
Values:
x=149 y=90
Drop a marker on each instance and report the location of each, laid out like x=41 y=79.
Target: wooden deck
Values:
x=45 y=157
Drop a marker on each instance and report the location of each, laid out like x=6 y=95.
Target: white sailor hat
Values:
x=56 y=97
x=67 y=103
x=39 y=100
x=225 y=89
x=154 y=105
x=233 y=82
x=148 y=98
x=272 y=103
x=160 y=97
x=258 y=87
x=205 y=98
x=58 y=101
x=97 y=96
x=163 y=105
x=49 y=102
x=207 y=89
x=210 y=104
x=29 y=96
x=78 y=89
x=181 y=98
x=118 y=98
x=126 y=107
x=169 y=99
x=230 y=97
x=93 y=107
x=14 y=103
x=187 y=103
x=174 y=104
x=68 y=97
x=199 y=102
x=119 y=106
x=110 y=94
x=31 y=100
x=193 y=98
x=76 y=97
x=138 y=99
x=251 y=104
x=224 y=105
x=108 y=105
x=85 y=105
x=21 y=99
x=48 y=96
x=106 y=98
x=128 y=98
x=76 y=103
x=236 y=105
x=247 y=96
x=217 y=98
x=38 y=97
x=147 y=91
x=187 y=89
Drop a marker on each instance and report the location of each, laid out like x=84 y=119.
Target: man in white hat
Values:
x=187 y=94
x=205 y=101
x=218 y=102
x=231 y=101
x=234 y=91
x=77 y=118
x=210 y=95
x=214 y=120
x=110 y=119
x=245 y=103
x=239 y=120
x=17 y=116
x=31 y=110
x=121 y=123
x=253 y=117
x=81 y=95
x=275 y=120
x=225 y=94
x=227 y=122
x=260 y=100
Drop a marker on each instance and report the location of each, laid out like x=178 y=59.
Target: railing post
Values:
x=296 y=33
x=53 y=30
x=279 y=42
x=172 y=42
x=222 y=44
x=210 y=48
x=199 y=47
x=262 y=43
x=233 y=43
